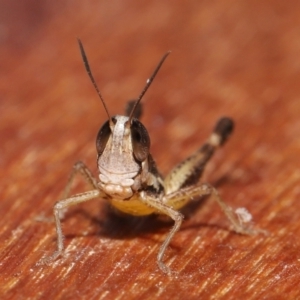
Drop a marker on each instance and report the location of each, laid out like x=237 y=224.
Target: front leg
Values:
x=58 y=208
x=162 y=208
x=168 y=205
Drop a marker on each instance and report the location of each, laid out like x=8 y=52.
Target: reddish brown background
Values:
x=236 y=58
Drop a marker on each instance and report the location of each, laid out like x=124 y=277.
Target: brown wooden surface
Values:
x=240 y=59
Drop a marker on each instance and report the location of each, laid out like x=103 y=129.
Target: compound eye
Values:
x=102 y=137
x=140 y=140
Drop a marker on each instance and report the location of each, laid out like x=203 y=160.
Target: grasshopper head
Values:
x=122 y=146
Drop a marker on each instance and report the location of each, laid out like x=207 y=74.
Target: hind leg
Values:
x=188 y=172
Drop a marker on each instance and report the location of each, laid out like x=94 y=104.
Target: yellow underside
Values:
x=135 y=207
x=132 y=207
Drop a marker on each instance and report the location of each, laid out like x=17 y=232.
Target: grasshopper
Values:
x=128 y=176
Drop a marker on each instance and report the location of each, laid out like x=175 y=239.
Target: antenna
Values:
x=88 y=69
x=148 y=83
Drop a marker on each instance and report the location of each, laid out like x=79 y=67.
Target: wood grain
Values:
x=235 y=58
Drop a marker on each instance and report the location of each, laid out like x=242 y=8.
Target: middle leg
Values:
x=179 y=198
